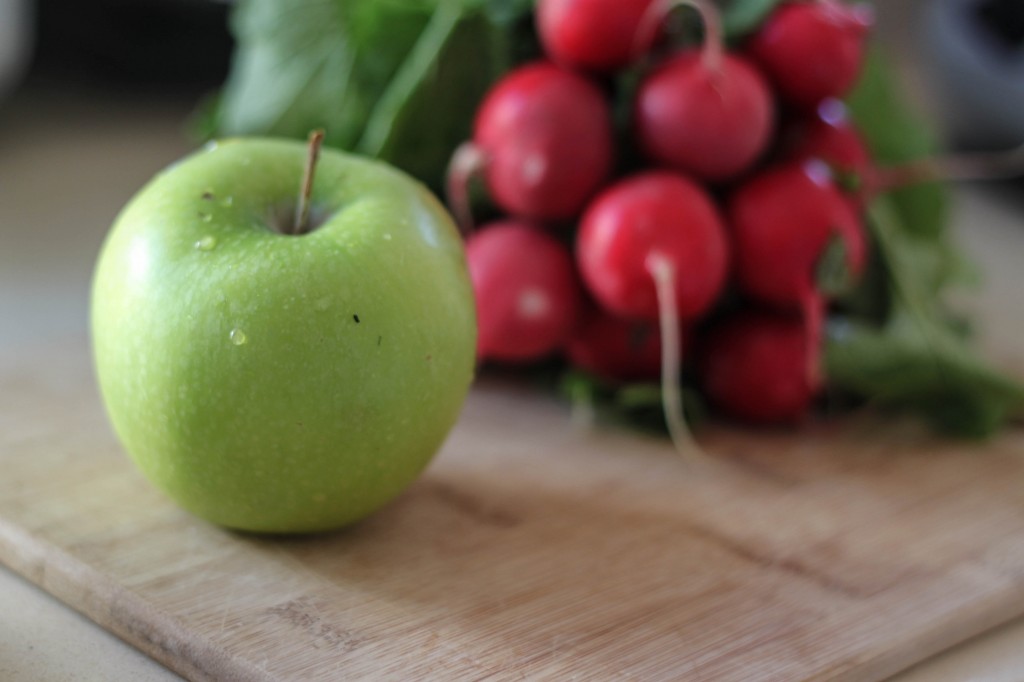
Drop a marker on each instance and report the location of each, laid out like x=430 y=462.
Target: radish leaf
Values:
x=742 y=17
x=918 y=366
x=833 y=275
x=897 y=134
x=918 y=360
x=396 y=80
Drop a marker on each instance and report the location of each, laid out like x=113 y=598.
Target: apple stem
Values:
x=316 y=139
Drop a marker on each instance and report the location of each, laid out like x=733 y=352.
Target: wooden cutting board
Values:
x=533 y=549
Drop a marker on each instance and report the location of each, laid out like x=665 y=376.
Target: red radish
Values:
x=594 y=35
x=544 y=138
x=812 y=50
x=653 y=247
x=653 y=213
x=782 y=221
x=527 y=294
x=832 y=137
x=614 y=348
x=705 y=112
x=753 y=367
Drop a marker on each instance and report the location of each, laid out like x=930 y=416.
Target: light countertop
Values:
x=67 y=163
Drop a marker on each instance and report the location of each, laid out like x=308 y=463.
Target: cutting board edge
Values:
x=118 y=610
x=161 y=637
x=943 y=635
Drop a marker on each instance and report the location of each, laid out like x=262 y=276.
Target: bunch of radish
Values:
x=703 y=254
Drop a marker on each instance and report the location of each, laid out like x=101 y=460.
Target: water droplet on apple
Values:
x=210 y=146
x=387 y=236
x=238 y=337
x=207 y=243
x=228 y=201
x=206 y=217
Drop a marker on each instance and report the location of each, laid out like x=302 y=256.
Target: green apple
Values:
x=274 y=382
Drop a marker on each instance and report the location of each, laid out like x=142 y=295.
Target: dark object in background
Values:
x=975 y=62
x=1004 y=19
x=154 y=45
x=16 y=36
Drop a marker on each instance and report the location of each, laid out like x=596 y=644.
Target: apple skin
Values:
x=278 y=383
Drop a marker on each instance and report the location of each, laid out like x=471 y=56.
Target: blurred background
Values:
x=94 y=99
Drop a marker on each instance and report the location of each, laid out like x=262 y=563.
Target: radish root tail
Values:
x=467 y=161
x=1000 y=165
x=664 y=275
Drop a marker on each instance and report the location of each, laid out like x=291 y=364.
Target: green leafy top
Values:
x=918 y=360
x=910 y=351
x=742 y=17
x=394 y=79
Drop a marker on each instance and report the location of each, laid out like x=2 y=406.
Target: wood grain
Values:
x=533 y=549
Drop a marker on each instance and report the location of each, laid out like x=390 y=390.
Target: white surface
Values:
x=41 y=639
x=67 y=164
x=995 y=657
